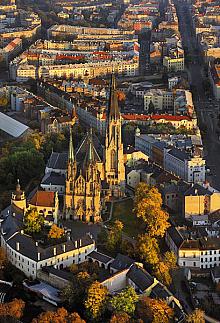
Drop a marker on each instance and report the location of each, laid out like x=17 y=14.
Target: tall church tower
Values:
x=70 y=178
x=114 y=157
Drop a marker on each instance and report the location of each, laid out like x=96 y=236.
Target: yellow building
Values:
x=94 y=172
x=199 y=200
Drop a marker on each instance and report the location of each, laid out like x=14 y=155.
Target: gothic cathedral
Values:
x=94 y=173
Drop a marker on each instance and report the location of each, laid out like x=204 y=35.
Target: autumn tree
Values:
x=170 y=259
x=125 y=301
x=155 y=310
x=120 y=318
x=75 y=292
x=33 y=221
x=61 y=315
x=96 y=300
x=14 y=308
x=114 y=237
x=196 y=316
x=148 y=249
x=161 y=271
x=148 y=207
x=55 y=232
x=3 y=257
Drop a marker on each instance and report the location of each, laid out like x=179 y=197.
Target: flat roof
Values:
x=12 y=126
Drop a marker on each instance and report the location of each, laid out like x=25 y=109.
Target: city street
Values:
x=207 y=109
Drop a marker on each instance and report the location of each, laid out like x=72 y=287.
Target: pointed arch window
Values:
x=113 y=159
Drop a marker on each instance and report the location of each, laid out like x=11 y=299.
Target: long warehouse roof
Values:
x=12 y=126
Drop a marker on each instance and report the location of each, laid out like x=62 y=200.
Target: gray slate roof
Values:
x=53 y=179
x=140 y=277
x=122 y=262
x=100 y=257
x=197 y=189
x=58 y=161
x=180 y=154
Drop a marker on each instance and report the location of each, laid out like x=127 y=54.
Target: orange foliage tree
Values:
x=120 y=318
x=59 y=316
x=155 y=310
x=55 y=232
x=14 y=308
x=148 y=207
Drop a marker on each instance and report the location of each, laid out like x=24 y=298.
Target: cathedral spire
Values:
x=90 y=157
x=71 y=150
x=113 y=108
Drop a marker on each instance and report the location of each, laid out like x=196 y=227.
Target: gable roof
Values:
x=58 y=161
x=53 y=179
x=197 y=189
x=142 y=279
x=43 y=198
x=122 y=262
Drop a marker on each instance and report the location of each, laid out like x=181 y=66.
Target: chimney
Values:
x=38 y=256
x=80 y=242
x=54 y=251
x=36 y=244
x=17 y=246
x=76 y=244
x=22 y=231
x=64 y=248
x=13 y=213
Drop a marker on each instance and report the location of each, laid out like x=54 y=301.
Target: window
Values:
x=184 y=263
x=194 y=264
x=33 y=265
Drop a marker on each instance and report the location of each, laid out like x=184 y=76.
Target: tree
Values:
x=114 y=237
x=33 y=221
x=14 y=308
x=151 y=108
x=148 y=207
x=170 y=259
x=161 y=271
x=96 y=300
x=59 y=316
x=121 y=96
x=3 y=257
x=148 y=249
x=155 y=310
x=120 y=318
x=76 y=291
x=55 y=232
x=125 y=301
x=196 y=316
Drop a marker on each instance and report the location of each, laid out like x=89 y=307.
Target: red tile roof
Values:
x=43 y=198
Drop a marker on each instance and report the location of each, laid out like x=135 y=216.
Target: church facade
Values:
x=95 y=173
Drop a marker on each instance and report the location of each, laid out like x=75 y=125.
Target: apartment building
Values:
x=188 y=166
x=161 y=99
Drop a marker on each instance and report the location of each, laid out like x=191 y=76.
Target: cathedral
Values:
x=96 y=173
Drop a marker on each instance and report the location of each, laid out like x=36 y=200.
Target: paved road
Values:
x=207 y=108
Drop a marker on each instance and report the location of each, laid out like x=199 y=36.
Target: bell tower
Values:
x=114 y=157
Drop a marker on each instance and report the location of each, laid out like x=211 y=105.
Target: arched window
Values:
x=113 y=159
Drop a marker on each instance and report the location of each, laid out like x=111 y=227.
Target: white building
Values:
x=199 y=253
x=182 y=164
x=173 y=64
x=162 y=100
x=29 y=255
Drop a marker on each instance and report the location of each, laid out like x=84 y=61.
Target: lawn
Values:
x=123 y=211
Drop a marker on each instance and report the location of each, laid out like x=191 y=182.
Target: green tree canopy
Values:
x=125 y=301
